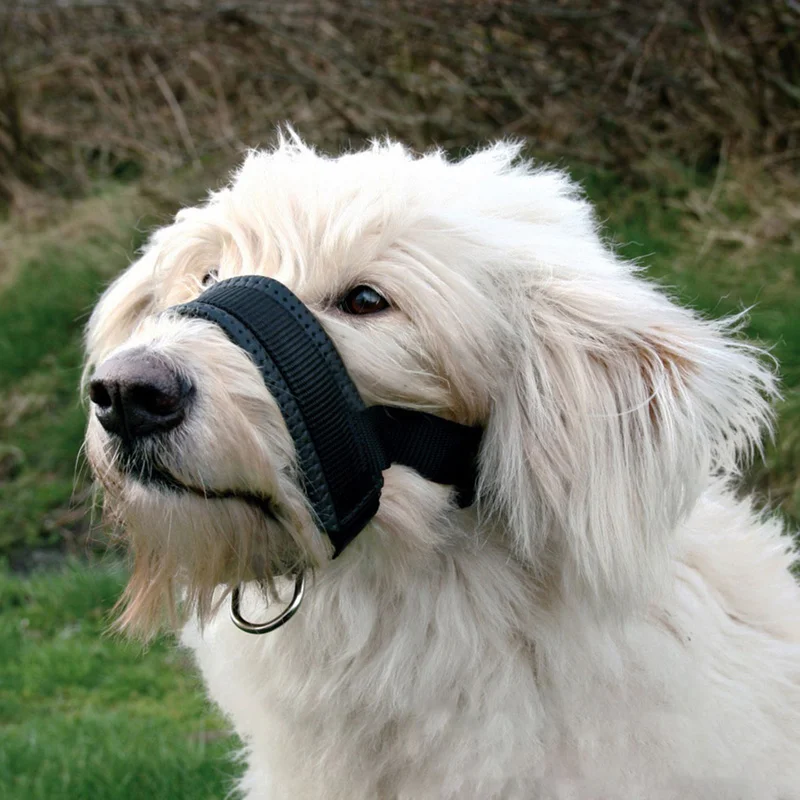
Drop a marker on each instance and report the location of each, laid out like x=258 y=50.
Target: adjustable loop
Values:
x=273 y=624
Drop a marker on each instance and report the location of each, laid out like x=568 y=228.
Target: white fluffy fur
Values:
x=607 y=622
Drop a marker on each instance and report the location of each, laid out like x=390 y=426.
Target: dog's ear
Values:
x=618 y=409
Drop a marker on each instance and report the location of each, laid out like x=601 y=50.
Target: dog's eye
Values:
x=363 y=300
x=209 y=278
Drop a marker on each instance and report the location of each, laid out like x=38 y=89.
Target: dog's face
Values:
x=477 y=291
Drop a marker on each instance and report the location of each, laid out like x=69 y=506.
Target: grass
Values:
x=86 y=715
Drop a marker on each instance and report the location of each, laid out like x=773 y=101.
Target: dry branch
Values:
x=89 y=86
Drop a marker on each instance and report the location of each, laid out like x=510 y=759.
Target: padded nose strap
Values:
x=342 y=447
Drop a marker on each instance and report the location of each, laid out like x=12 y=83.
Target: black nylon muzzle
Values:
x=342 y=446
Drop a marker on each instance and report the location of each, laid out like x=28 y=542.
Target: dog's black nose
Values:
x=136 y=393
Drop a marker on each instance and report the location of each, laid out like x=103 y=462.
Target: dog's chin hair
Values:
x=189 y=552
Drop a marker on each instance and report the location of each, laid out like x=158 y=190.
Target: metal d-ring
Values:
x=273 y=624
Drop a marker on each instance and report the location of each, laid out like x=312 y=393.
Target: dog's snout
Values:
x=136 y=393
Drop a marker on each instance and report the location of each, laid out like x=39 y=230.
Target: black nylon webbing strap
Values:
x=342 y=447
x=440 y=450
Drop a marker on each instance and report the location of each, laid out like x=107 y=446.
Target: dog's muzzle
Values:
x=342 y=446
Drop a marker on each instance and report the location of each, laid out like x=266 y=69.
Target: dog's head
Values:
x=478 y=291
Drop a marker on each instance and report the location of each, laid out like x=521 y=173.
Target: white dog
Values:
x=606 y=621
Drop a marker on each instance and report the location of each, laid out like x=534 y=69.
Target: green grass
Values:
x=86 y=715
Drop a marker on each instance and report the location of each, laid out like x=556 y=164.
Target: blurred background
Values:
x=680 y=118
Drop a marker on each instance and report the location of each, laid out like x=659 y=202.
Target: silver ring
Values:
x=273 y=624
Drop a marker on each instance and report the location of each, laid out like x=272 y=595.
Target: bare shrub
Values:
x=94 y=87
